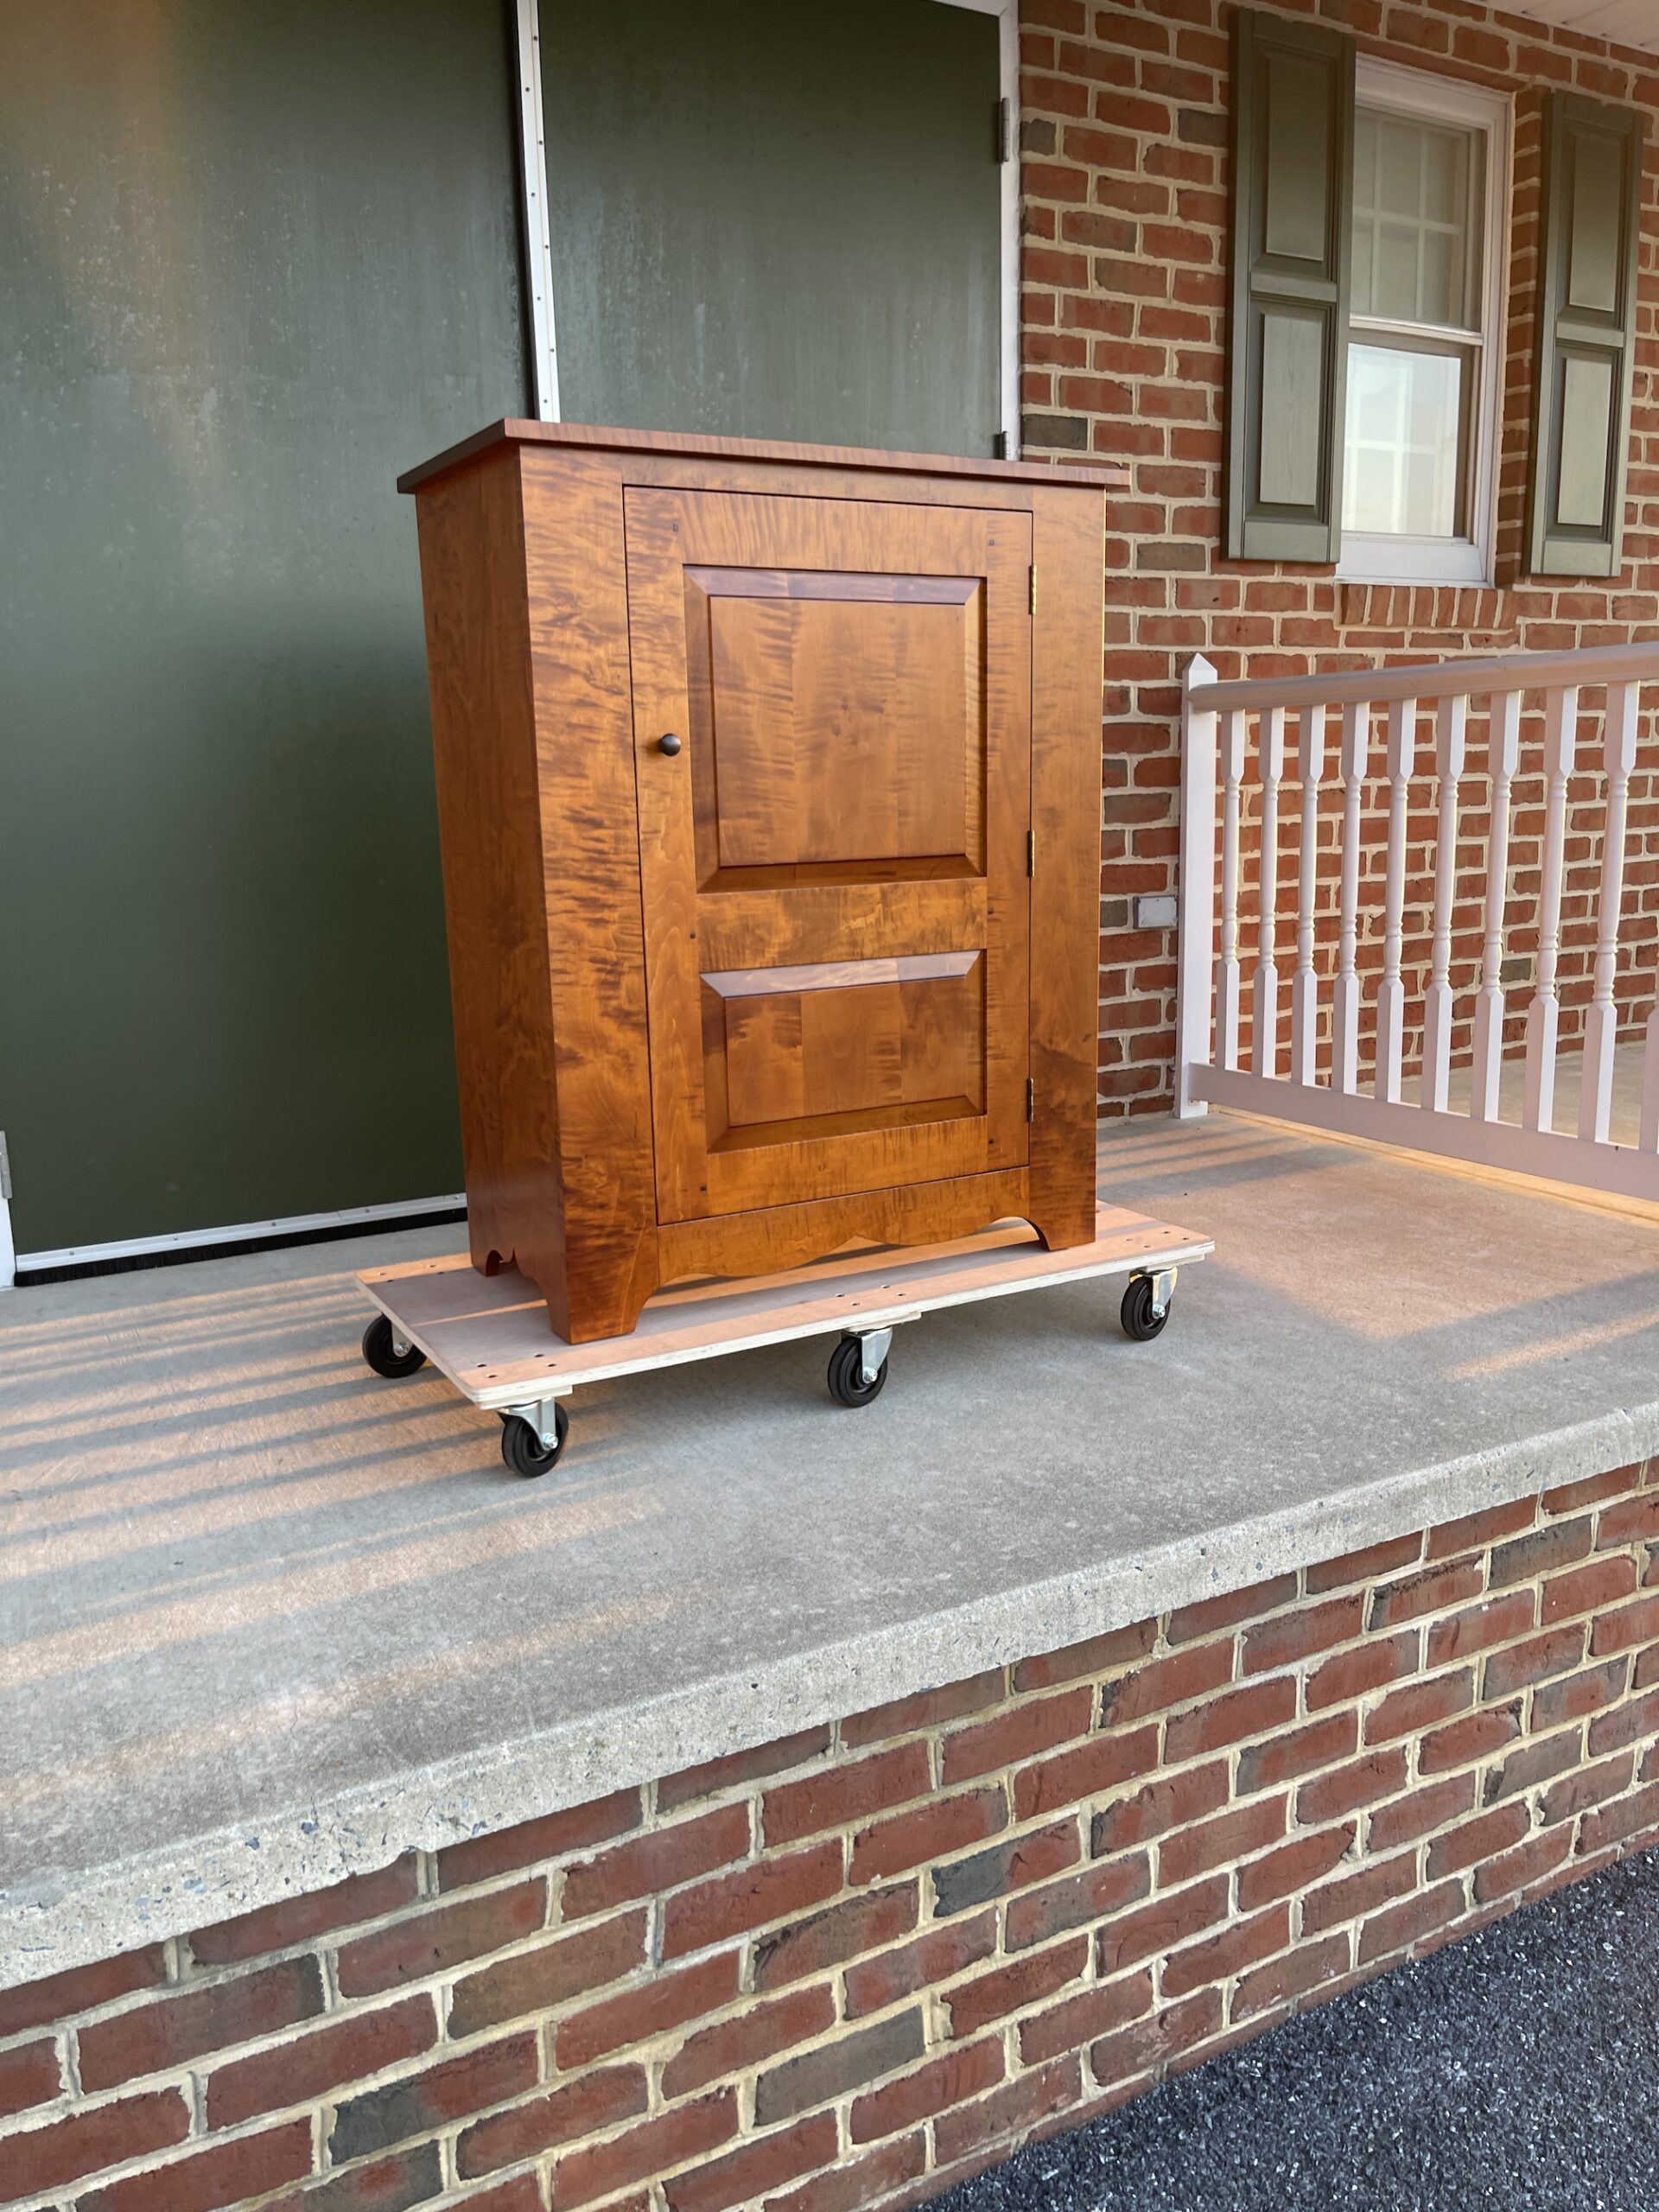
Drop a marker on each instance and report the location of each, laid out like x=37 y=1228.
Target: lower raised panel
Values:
x=837 y=1047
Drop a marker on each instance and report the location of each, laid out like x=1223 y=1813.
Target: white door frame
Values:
x=1007 y=45
x=538 y=244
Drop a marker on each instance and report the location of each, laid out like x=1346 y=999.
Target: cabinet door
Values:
x=834 y=862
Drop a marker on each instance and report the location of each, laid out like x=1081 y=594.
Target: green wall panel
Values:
x=254 y=261
x=775 y=221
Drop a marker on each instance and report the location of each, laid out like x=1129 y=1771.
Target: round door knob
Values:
x=669 y=743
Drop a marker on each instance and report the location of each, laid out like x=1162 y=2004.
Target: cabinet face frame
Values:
x=533 y=712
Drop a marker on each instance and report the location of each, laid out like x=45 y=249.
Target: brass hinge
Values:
x=1030 y=852
x=1033 y=591
x=1031 y=1097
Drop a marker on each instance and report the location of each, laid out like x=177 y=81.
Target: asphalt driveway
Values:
x=1517 y=2069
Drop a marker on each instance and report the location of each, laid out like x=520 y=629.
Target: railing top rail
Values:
x=1446 y=679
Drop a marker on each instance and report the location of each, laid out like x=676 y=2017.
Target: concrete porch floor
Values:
x=268 y=1620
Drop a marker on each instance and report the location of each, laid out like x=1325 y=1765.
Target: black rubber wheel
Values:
x=524 y=1451
x=1141 y=1324
x=847 y=1384
x=377 y=1350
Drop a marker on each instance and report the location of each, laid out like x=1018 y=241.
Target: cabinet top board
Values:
x=587 y=435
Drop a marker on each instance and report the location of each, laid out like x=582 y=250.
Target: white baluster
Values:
x=1232 y=771
x=1504 y=752
x=1391 y=994
x=1450 y=731
x=1305 y=990
x=1601 y=1028
x=1344 y=1032
x=1543 y=1015
x=1264 y=1009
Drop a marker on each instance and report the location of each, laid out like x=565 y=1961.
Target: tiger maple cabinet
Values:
x=769 y=789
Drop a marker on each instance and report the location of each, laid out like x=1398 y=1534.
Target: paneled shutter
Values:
x=1586 y=337
x=1287 y=324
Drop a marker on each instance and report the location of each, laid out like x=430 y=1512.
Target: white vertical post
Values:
x=1450 y=734
x=1264 y=1008
x=1601 y=1029
x=1344 y=1030
x=1195 y=936
x=1543 y=1015
x=1232 y=771
x=1391 y=993
x=1305 y=990
x=1503 y=753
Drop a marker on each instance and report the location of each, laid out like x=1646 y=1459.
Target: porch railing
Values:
x=1405 y=891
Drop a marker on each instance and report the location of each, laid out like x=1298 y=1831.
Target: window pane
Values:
x=1440 y=279
x=1417 y=188
x=1446 y=175
x=1398 y=253
x=1405 y=461
x=1399 y=173
x=1365 y=128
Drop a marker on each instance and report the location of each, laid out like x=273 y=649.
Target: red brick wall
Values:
x=1124 y=136
x=844 y=1969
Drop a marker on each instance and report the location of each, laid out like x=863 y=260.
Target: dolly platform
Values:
x=489 y=1335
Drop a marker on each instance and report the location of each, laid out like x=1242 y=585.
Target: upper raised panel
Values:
x=840 y=719
x=1596 y=224
x=1295 y=225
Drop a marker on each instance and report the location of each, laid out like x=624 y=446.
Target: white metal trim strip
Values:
x=241 y=1232
x=538 y=237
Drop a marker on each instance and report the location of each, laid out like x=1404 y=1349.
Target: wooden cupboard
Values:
x=769 y=793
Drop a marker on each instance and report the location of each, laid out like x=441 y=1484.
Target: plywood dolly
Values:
x=489 y=1334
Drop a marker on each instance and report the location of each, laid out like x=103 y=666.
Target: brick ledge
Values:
x=1481 y=617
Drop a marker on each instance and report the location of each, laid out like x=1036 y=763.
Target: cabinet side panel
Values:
x=1067 y=551
x=477 y=643
x=576 y=565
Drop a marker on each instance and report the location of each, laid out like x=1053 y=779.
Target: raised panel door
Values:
x=834 y=859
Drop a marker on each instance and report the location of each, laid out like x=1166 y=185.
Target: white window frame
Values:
x=533 y=169
x=1369 y=556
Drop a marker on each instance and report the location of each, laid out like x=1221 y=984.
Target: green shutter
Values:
x=1586 y=337
x=1288 y=325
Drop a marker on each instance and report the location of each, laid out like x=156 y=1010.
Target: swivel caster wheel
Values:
x=380 y=1350
x=1142 y=1316
x=858 y=1368
x=524 y=1450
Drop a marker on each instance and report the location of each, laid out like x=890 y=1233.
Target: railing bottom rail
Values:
x=1622 y=1171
